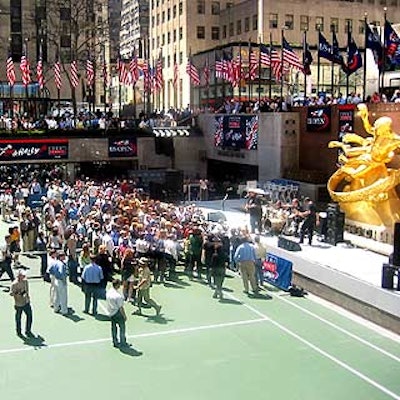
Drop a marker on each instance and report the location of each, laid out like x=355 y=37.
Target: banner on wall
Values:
x=122 y=147
x=319 y=119
x=346 y=120
x=277 y=271
x=236 y=132
x=33 y=149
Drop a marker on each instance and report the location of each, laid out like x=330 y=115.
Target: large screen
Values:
x=236 y=132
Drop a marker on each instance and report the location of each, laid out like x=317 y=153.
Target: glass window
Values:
x=180 y=8
x=231 y=29
x=215 y=32
x=273 y=21
x=348 y=25
x=255 y=22
x=361 y=26
x=246 y=24
x=239 y=27
x=215 y=7
x=334 y=24
x=180 y=33
x=201 y=32
x=224 y=32
x=201 y=6
x=304 y=22
x=319 y=24
x=289 y=21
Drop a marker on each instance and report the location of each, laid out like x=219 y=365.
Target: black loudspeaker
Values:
x=173 y=185
x=288 y=244
x=216 y=216
x=388 y=272
x=396 y=245
x=334 y=224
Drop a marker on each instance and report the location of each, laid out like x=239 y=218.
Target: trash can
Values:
x=387 y=276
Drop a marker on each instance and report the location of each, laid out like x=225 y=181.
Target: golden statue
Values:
x=364 y=186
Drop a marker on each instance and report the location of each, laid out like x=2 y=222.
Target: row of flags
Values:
x=227 y=67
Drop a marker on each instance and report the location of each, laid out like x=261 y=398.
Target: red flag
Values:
x=276 y=64
x=123 y=73
x=74 y=74
x=57 y=74
x=193 y=73
x=25 y=70
x=10 y=69
x=134 y=70
x=39 y=73
x=290 y=57
x=89 y=72
x=253 y=66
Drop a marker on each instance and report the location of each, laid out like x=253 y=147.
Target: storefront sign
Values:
x=318 y=119
x=122 y=148
x=33 y=149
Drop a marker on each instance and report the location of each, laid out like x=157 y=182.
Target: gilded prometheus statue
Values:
x=364 y=185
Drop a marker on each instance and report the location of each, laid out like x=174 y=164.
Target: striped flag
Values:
x=176 y=74
x=146 y=76
x=57 y=74
x=10 y=70
x=290 y=57
x=206 y=74
x=134 y=69
x=276 y=64
x=219 y=68
x=25 y=70
x=193 y=73
x=237 y=70
x=265 y=58
x=39 y=68
x=253 y=66
x=123 y=73
x=74 y=74
x=158 y=78
x=89 y=72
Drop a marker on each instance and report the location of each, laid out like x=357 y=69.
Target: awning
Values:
x=171 y=132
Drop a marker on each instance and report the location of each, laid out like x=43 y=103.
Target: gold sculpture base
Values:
x=380 y=234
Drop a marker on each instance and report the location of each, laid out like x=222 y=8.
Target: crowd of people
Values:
x=107 y=235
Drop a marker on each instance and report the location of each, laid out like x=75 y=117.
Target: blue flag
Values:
x=354 y=60
x=373 y=42
x=324 y=47
x=337 y=57
x=392 y=50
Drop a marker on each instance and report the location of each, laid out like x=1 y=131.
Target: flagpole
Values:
x=11 y=86
x=259 y=71
x=208 y=80
x=248 y=74
x=365 y=57
x=240 y=70
x=318 y=61
x=26 y=86
x=270 y=67
x=348 y=47
x=382 y=85
x=304 y=62
x=282 y=61
x=332 y=62
x=104 y=78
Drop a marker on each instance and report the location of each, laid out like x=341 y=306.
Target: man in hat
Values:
x=20 y=292
x=92 y=275
x=144 y=286
x=60 y=272
x=253 y=207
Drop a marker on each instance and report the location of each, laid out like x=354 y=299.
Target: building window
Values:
x=304 y=22
x=180 y=8
x=174 y=11
x=319 y=24
x=180 y=33
x=255 y=22
x=229 y=4
x=289 y=21
x=231 y=29
x=273 y=21
x=174 y=35
x=163 y=39
x=201 y=32
x=163 y=17
x=215 y=32
x=348 y=25
x=201 y=6
x=215 y=7
x=361 y=27
x=383 y=2
x=246 y=24
x=334 y=24
x=224 y=30
x=168 y=14
x=393 y=3
x=169 y=37
x=239 y=27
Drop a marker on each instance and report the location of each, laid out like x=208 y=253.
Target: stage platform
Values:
x=349 y=274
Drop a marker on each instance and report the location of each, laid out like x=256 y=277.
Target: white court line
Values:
x=324 y=353
x=337 y=327
x=141 y=335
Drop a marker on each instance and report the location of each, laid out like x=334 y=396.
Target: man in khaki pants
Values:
x=245 y=257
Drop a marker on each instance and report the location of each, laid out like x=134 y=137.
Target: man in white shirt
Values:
x=115 y=305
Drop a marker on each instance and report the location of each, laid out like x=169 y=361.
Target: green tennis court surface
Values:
x=275 y=347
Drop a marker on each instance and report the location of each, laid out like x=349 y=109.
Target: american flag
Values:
x=39 y=73
x=158 y=78
x=290 y=57
x=134 y=69
x=74 y=74
x=276 y=64
x=25 y=70
x=10 y=70
x=146 y=76
x=253 y=65
x=193 y=73
x=219 y=67
x=176 y=74
x=237 y=70
x=89 y=72
x=227 y=67
x=206 y=74
x=265 y=55
x=57 y=74
x=252 y=133
x=123 y=73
